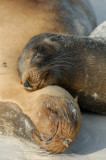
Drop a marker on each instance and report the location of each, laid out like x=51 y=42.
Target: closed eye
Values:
x=36 y=56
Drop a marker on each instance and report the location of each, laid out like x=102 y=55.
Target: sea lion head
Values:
x=37 y=63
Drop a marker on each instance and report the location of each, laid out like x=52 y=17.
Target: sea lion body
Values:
x=78 y=64
x=30 y=18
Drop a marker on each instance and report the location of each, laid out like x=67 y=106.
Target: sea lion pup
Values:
x=49 y=117
x=78 y=64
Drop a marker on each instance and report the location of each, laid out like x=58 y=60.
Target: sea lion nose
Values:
x=26 y=84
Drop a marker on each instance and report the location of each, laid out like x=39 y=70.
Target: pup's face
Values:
x=37 y=62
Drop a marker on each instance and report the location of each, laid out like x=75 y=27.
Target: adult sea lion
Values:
x=58 y=16
x=78 y=64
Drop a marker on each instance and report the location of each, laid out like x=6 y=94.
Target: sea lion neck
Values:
x=69 y=65
x=79 y=57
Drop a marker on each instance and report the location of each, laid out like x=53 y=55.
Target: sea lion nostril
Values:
x=26 y=84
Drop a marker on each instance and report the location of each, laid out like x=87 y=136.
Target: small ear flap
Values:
x=52 y=42
x=76 y=99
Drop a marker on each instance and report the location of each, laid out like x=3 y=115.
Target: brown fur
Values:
x=78 y=64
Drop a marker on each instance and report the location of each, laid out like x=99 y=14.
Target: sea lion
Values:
x=58 y=16
x=23 y=19
x=51 y=118
x=78 y=64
